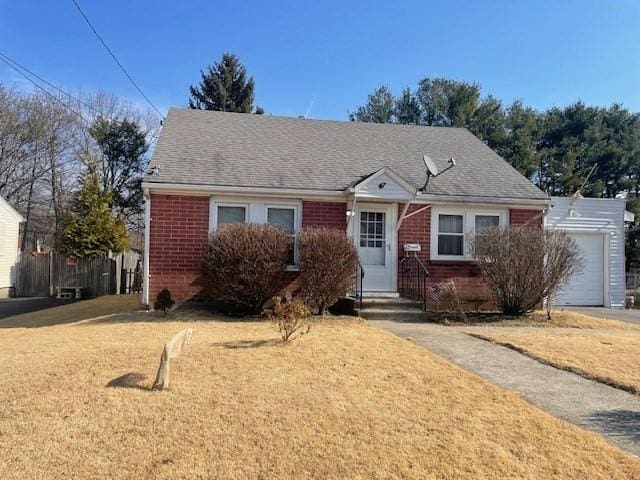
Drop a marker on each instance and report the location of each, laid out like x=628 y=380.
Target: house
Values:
x=370 y=180
x=597 y=226
x=10 y=221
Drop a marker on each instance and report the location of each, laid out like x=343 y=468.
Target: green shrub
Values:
x=328 y=261
x=164 y=301
x=243 y=266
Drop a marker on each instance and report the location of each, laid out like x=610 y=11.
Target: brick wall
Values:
x=179 y=231
x=324 y=214
x=466 y=275
x=527 y=218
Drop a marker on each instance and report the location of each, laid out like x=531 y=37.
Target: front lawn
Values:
x=345 y=401
x=609 y=357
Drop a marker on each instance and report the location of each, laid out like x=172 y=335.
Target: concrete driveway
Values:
x=631 y=316
x=17 y=306
x=613 y=413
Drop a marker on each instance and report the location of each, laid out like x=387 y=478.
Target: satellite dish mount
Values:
x=432 y=169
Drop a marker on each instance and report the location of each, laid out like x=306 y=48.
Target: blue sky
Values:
x=545 y=52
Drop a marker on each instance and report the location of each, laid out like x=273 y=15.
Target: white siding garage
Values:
x=597 y=226
x=9 y=226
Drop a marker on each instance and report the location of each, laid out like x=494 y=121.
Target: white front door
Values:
x=374 y=238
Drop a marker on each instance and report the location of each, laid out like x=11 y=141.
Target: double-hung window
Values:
x=284 y=213
x=285 y=218
x=231 y=213
x=451 y=227
x=450 y=234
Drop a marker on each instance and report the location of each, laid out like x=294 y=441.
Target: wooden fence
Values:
x=42 y=275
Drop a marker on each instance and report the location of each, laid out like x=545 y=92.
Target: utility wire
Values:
x=30 y=72
x=44 y=90
x=124 y=70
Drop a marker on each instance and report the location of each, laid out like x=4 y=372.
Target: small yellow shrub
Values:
x=290 y=318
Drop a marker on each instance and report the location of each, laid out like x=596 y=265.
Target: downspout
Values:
x=147 y=243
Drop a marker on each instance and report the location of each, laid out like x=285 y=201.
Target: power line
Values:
x=30 y=72
x=124 y=70
x=44 y=90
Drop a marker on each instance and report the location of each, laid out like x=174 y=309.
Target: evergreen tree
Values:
x=447 y=103
x=407 y=108
x=90 y=229
x=378 y=109
x=224 y=87
x=123 y=146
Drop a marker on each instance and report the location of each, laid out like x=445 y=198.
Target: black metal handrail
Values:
x=413 y=279
x=357 y=285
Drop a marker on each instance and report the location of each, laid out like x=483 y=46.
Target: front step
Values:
x=398 y=309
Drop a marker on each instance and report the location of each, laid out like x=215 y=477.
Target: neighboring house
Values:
x=211 y=168
x=597 y=226
x=9 y=226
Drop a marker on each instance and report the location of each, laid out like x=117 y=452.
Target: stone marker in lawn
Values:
x=171 y=350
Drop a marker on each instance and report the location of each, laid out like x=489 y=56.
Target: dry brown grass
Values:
x=347 y=401
x=538 y=318
x=73 y=312
x=609 y=357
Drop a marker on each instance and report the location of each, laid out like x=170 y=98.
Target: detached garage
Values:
x=597 y=226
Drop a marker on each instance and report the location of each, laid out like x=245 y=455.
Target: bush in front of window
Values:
x=243 y=266
x=525 y=265
x=328 y=261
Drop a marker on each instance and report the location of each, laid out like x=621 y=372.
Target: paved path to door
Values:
x=611 y=412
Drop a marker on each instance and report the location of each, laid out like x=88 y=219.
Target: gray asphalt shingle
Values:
x=235 y=149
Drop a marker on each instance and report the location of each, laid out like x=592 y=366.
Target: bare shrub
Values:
x=243 y=266
x=446 y=298
x=290 y=318
x=525 y=265
x=328 y=261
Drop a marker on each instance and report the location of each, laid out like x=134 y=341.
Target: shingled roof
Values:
x=244 y=150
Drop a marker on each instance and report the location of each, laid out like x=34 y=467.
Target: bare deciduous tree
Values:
x=524 y=265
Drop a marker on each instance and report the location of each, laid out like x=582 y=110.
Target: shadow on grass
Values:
x=246 y=344
x=188 y=312
x=624 y=424
x=129 y=380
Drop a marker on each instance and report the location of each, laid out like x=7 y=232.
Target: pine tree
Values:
x=378 y=109
x=224 y=87
x=91 y=229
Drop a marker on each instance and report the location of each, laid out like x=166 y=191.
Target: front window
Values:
x=484 y=222
x=285 y=218
x=451 y=228
x=231 y=214
x=451 y=235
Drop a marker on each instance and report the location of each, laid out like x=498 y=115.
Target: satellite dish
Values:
x=432 y=170
x=431 y=166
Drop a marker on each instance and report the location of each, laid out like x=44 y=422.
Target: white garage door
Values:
x=587 y=287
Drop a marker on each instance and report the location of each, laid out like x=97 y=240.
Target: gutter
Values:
x=436 y=199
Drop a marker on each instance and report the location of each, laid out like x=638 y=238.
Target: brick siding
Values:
x=466 y=275
x=179 y=232
x=324 y=214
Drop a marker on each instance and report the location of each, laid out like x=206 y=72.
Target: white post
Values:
x=147 y=243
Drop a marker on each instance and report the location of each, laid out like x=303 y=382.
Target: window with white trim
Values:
x=285 y=218
x=450 y=234
x=230 y=213
x=284 y=213
x=451 y=227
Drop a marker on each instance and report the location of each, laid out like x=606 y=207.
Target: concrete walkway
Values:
x=631 y=316
x=611 y=412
